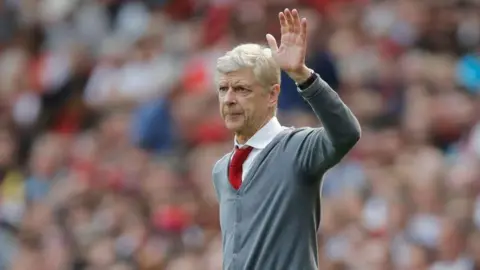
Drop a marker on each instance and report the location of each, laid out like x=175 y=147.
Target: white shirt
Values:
x=259 y=141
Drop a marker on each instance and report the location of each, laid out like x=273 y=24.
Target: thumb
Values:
x=272 y=43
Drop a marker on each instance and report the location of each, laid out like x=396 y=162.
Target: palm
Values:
x=290 y=55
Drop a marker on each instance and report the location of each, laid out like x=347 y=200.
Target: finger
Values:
x=289 y=17
x=303 y=32
x=296 y=21
x=283 y=23
x=272 y=43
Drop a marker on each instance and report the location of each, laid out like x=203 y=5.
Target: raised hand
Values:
x=290 y=56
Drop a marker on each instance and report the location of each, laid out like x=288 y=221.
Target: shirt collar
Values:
x=264 y=135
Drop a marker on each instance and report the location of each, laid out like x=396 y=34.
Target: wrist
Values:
x=301 y=76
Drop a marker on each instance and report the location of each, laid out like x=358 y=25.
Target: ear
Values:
x=273 y=95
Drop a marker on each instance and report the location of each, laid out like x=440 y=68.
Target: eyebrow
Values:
x=235 y=84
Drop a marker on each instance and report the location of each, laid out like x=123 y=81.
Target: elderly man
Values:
x=268 y=187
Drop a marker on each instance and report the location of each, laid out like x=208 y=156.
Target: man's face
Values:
x=244 y=103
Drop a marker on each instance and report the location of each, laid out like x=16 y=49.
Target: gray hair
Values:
x=254 y=56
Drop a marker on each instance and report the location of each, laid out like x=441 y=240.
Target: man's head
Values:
x=248 y=81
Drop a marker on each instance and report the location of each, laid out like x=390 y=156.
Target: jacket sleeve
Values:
x=324 y=147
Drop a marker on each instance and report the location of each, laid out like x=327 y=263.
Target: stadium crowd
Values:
x=109 y=128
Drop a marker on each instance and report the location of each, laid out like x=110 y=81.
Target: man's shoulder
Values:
x=221 y=163
x=293 y=137
x=301 y=133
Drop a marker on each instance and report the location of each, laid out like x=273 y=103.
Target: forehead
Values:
x=241 y=76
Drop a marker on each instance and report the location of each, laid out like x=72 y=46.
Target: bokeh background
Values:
x=109 y=128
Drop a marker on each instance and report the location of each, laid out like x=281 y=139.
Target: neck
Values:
x=242 y=138
x=244 y=135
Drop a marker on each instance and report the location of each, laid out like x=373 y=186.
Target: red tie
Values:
x=235 y=170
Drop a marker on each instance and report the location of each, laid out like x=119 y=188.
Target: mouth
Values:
x=234 y=115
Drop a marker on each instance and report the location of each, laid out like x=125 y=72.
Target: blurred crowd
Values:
x=109 y=128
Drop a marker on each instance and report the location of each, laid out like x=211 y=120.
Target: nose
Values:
x=229 y=97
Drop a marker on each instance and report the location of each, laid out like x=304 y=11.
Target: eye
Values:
x=223 y=89
x=241 y=89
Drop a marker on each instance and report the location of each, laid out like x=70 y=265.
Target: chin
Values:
x=234 y=126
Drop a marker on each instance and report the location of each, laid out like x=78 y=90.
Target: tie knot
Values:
x=244 y=148
x=241 y=155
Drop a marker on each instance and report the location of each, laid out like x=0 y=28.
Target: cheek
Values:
x=258 y=106
x=221 y=105
x=246 y=107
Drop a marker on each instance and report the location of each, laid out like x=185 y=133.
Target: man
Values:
x=268 y=186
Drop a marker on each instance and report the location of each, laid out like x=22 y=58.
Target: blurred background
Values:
x=109 y=129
